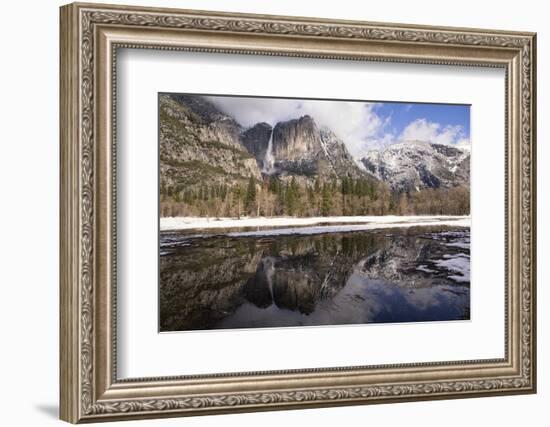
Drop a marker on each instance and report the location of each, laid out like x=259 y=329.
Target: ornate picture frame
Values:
x=90 y=37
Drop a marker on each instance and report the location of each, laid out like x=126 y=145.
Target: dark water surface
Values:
x=392 y=275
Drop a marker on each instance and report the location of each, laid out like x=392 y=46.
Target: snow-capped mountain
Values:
x=413 y=165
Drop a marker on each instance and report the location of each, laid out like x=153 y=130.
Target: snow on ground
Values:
x=345 y=228
x=459 y=264
x=460 y=245
x=345 y=223
x=425 y=269
x=189 y=223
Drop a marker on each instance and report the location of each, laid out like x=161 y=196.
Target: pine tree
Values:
x=292 y=197
x=250 y=198
x=273 y=185
x=326 y=201
x=403 y=207
x=237 y=196
x=317 y=186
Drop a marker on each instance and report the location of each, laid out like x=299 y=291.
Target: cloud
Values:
x=464 y=144
x=380 y=141
x=249 y=111
x=424 y=130
x=353 y=122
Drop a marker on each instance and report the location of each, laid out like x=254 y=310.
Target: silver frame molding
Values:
x=90 y=37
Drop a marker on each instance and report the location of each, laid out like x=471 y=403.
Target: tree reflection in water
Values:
x=397 y=275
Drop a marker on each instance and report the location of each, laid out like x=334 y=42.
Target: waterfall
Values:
x=268 y=265
x=269 y=160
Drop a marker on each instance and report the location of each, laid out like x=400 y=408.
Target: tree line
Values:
x=275 y=197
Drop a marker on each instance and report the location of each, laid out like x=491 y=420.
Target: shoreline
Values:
x=321 y=224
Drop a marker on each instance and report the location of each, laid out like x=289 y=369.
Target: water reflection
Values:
x=400 y=275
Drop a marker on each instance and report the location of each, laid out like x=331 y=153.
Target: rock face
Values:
x=340 y=160
x=296 y=139
x=256 y=141
x=301 y=148
x=414 y=165
x=198 y=143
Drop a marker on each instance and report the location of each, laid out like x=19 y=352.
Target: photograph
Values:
x=278 y=212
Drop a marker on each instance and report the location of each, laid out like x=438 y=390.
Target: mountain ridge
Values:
x=413 y=165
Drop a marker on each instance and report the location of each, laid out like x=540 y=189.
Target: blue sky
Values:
x=360 y=125
x=402 y=114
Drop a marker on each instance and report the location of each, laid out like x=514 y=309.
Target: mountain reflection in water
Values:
x=397 y=275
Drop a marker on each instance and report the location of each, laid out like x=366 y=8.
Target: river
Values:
x=229 y=279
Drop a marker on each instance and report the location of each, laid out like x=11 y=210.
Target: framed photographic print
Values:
x=267 y=212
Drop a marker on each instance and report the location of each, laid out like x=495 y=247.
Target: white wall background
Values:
x=29 y=170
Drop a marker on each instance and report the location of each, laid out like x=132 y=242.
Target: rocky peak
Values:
x=295 y=138
x=412 y=165
x=300 y=148
x=256 y=141
x=448 y=151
